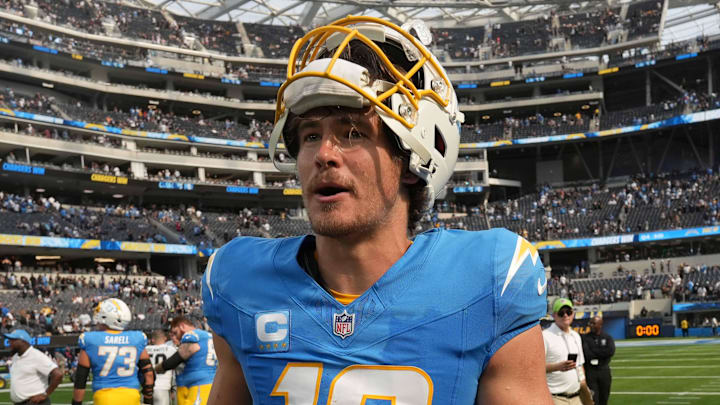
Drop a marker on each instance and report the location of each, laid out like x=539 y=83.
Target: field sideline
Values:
x=666 y=372
x=648 y=372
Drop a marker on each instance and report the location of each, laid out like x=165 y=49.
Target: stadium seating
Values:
x=142 y=23
x=521 y=37
x=459 y=43
x=643 y=18
x=589 y=29
x=275 y=41
x=518 y=127
x=221 y=36
x=48 y=217
x=48 y=301
x=583 y=29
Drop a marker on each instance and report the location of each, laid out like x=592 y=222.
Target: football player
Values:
x=360 y=310
x=194 y=362
x=161 y=350
x=117 y=358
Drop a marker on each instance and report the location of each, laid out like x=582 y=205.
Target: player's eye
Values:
x=309 y=137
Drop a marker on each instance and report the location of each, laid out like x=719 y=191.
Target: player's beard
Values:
x=324 y=223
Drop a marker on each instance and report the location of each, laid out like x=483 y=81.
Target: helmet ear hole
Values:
x=440 y=142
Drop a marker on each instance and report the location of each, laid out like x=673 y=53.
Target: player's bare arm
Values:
x=81 y=375
x=148 y=380
x=229 y=386
x=184 y=352
x=515 y=374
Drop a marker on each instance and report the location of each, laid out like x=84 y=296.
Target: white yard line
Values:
x=64 y=385
x=663 y=393
x=645 y=367
x=664 y=377
x=714 y=359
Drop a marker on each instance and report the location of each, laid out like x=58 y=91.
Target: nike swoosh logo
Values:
x=542 y=287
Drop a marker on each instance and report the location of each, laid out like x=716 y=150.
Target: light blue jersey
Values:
x=114 y=357
x=424 y=332
x=200 y=368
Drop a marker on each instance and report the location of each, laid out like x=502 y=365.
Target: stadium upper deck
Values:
x=544 y=32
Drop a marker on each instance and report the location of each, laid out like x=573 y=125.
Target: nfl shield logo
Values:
x=343 y=324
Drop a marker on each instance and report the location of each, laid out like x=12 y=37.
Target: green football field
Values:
x=63 y=395
x=687 y=374
x=680 y=374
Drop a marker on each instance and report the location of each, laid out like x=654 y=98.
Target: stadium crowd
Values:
x=60 y=300
x=641 y=204
x=515 y=127
x=581 y=29
x=682 y=282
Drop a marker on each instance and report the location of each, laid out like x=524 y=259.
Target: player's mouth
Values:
x=330 y=192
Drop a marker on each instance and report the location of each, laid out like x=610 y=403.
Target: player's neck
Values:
x=352 y=265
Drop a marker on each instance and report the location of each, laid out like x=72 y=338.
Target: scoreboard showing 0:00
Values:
x=647 y=330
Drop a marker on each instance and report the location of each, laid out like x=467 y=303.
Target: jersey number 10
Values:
x=299 y=383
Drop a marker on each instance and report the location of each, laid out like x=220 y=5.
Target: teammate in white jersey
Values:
x=160 y=350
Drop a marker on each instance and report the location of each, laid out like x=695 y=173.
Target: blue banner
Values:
x=696 y=306
x=156 y=70
x=628 y=238
x=645 y=64
x=670 y=122
x=172 y=185
x=230 y=80
x=45 y=49
x=95 y=244
x=270 y=84
x=468 y=189
x=686 y=56
x=15 y=167
x=242 y=190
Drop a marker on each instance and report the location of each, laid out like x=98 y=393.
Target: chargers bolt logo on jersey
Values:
x=343 y=324
x=272 y=331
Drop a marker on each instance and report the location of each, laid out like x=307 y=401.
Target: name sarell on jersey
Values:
x=117 y=339
x=116 y=357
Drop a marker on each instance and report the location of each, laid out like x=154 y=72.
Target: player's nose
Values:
x=329 y=152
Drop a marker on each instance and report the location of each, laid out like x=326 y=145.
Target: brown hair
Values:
x=180 y=320
x=361 y=54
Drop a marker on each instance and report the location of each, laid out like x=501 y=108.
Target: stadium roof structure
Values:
x=437 y=13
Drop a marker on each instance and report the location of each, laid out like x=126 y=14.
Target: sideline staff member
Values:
x=29 y=371
x=564 y=358
x=598 y=348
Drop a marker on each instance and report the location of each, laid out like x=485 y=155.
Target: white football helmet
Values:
x=420 y=105
x=113 y=313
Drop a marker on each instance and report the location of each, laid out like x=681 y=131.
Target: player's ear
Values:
x=409 y=178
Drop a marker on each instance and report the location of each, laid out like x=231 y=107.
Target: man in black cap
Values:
x=598 y=348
